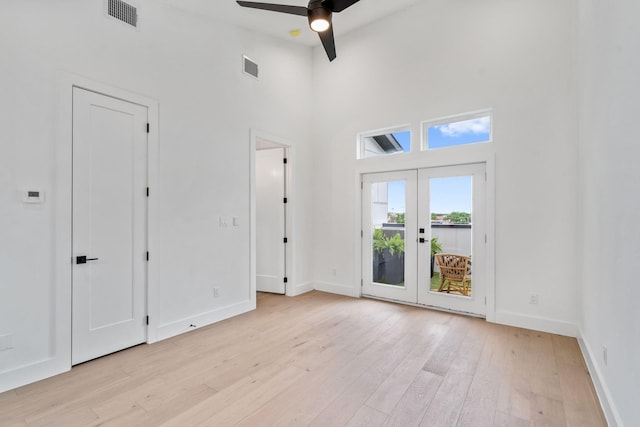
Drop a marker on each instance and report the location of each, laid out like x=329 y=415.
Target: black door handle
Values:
x=422 y=240
x=82 y=259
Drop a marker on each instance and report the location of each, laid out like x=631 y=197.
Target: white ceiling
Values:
x=279 y=24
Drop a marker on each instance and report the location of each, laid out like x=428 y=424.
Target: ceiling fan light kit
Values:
x=318 y=12
x=319 y=17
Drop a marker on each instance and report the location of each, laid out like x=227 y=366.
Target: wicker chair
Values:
x=455 y=273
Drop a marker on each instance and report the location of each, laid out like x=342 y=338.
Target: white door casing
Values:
x=270 y=220
x=109 y=223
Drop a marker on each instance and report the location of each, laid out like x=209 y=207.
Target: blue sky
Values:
x=459 y=133
x=450 y=194
x=404 y=139
x=451 y=134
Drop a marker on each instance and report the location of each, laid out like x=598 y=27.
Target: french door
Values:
x=390 y=226
x=410 y=215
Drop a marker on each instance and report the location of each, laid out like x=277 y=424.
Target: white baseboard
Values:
x=300 y=288
x=543 y=324
x=604 y=395
x=336 y=288
x=168 y=330
x=32 y=372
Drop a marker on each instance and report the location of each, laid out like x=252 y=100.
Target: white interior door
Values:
x=109 y=225
x=270 y=220
x=388 y=235
x=451 y=209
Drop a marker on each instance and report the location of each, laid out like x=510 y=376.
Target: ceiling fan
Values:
x=319 y=14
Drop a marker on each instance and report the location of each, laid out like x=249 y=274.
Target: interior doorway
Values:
x=271 y=216
x=410 y=220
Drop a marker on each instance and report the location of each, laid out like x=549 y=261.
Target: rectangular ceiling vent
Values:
x=122 y=11
x=249 y=67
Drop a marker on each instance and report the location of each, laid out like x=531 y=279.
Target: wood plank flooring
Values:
x=325 y=360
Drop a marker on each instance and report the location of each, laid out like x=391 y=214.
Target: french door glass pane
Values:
x=388 y=202
x=451 y=220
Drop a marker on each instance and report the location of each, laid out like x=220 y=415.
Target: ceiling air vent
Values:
x=249 y=67
x=122 y=11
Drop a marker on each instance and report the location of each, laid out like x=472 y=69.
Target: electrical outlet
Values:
x=223 y=222
x=533 y=298
x=216 y=292
x=604 y=355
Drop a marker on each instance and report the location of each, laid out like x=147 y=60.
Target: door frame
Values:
x=455 y=156
x=289 y=271
x=283 y=153
x=60 y=355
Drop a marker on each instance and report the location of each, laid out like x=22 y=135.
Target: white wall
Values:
x=435 y=59
x=440 y=58
x=609 y=153
x=192 y=67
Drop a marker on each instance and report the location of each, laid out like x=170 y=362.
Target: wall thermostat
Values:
x=33 y=196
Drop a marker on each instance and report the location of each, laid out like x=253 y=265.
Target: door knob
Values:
x=82 y=259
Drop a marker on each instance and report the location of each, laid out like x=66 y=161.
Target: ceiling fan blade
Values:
x=329 y=43
x=338 y=5
x=283 y=8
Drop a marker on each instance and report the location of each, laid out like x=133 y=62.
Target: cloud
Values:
x=473 y=126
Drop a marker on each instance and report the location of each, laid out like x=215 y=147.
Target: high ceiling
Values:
x=279 y=25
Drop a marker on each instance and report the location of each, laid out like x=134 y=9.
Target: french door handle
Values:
x=82 y=259
x=422 y=240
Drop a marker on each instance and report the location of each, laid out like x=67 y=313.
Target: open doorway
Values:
x=271 y=216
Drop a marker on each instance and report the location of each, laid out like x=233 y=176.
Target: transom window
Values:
x=459 y=130
x=374 y=144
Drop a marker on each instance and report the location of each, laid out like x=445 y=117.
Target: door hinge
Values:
x=284 y=160
x=361 y=185
x=361 y=282
x=147 y=320
x=485 y=238
x=286 y=240
x=148 y=127
x=147 y=255
x=286 y=280
x=361 y=234
x=285 y=200
x=485 y=300
x=147 y=191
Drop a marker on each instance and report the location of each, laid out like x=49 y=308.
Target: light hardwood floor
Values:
x=325 y=360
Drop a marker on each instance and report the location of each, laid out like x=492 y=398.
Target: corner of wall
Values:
x=300 y=288
x=604 y=395
x=543 y=324
x=168 y=330
x=337 y=288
